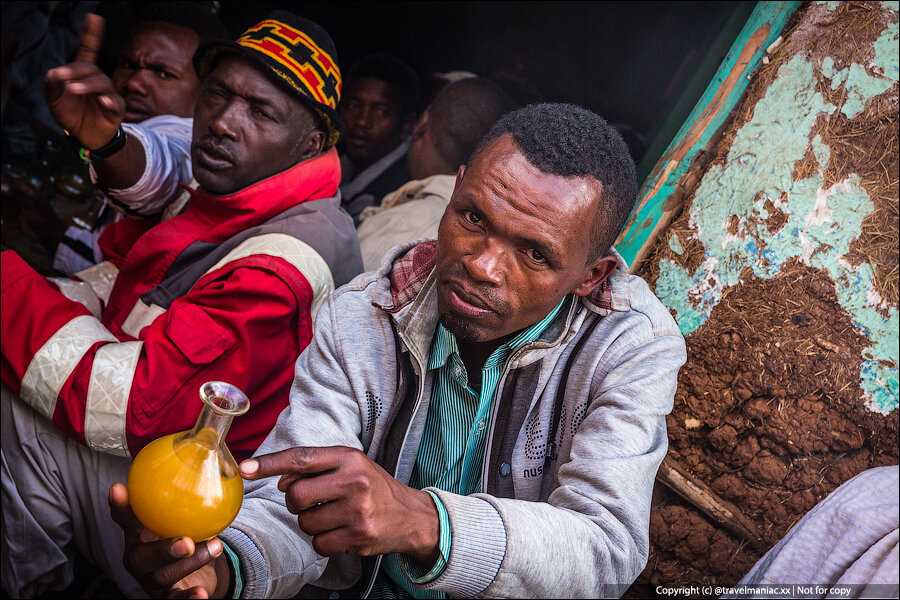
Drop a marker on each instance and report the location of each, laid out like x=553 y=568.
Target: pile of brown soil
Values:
x=770 y=415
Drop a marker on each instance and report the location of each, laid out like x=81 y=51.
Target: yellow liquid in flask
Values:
x=183 y=485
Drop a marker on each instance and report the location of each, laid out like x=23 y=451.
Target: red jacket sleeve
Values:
x=244 y=323
x=32 y=310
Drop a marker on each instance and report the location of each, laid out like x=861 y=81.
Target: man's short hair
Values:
x=390 y=69
x=462 y=113
x=570 y=141
x=196 y=16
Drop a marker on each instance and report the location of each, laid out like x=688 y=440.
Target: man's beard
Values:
x=461 y=329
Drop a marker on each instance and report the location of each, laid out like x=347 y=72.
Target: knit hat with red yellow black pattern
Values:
x=300 y=56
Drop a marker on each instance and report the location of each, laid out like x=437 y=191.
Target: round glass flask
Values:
x=188 y=483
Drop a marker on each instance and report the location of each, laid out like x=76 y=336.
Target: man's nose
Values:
x=225 y=121
x=364 y=118
x=486 y=263
x=136 y=83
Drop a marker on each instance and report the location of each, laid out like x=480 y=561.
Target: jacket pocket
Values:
x=197 y=335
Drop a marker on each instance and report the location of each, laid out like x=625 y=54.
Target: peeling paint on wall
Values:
x=730 y=209
x=829 y=4
x=675 y=244
x=886 y=56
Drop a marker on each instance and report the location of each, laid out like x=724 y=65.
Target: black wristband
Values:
x=105 y=151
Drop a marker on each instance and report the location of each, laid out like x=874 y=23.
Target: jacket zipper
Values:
x=499 y=392
x=415 y=410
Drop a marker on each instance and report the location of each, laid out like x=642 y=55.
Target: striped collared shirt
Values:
x=451 y=453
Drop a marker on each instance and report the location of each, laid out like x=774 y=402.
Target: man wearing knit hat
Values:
x=227 y=290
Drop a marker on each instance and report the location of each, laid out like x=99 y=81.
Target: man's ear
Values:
x=421 y=126
x=409 y=122
x=312 y=144
x=459 y=176
x=596 y=274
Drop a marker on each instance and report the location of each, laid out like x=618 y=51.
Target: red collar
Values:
x=310 y=180
x=144 y=252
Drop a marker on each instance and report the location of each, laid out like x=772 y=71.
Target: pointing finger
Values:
x=296 y=461
x=91 y=39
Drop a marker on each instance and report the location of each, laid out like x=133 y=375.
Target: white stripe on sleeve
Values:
x=108 y=394
x=52 y=365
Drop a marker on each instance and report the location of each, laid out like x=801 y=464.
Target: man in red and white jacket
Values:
x=228 y=290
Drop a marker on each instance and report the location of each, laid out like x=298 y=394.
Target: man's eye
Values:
x=472 y=217
x=536 y=256
x=262 y=114
x=165 y=75
x=213 y=94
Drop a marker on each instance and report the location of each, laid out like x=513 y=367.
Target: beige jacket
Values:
x=413 y=211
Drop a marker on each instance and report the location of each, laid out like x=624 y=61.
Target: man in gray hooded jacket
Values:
x=483 y=416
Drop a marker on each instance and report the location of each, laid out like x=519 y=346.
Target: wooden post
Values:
x=723 y=513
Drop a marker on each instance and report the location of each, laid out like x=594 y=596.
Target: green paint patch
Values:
x=828 y=69
x=886 y=50
x=830 y=4
x=703 y=292
x=880 y=387
x=861 y=87
x=820 y=227
x=893 y=5
x=675 y=244
x=821 y=150
x=878 y=372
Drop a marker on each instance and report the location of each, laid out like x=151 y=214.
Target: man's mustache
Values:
x=218 y=146
x=488 y=294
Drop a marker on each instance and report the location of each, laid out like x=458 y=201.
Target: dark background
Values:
x=639 y=64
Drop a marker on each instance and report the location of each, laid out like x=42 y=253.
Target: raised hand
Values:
x=82 y=99
x=348 y=503
x=169 y=568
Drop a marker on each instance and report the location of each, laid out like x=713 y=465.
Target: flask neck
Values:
x=221 y=403
x=210 y=419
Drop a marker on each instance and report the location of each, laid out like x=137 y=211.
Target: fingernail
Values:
x=179 y=549
x=214 y=546
x=249 y=467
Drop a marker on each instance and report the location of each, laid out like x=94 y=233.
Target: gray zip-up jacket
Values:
x=565 y=510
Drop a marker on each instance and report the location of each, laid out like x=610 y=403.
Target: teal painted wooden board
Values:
x=652 y=213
